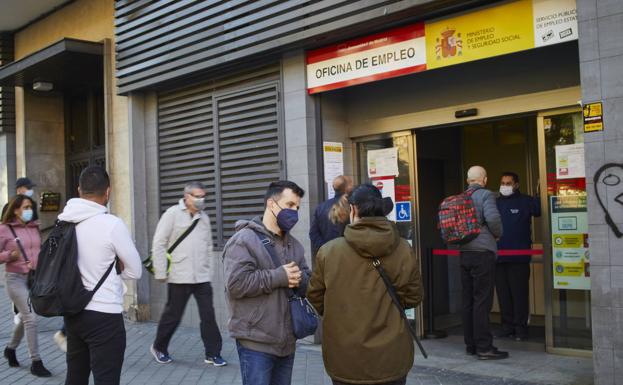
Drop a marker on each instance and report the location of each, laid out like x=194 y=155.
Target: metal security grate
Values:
x=225 y=134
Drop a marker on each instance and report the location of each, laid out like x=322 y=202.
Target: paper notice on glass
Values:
x=333 y=155
x=388 y=189
x=330 y=190
x=570 y=161
x=383 y=162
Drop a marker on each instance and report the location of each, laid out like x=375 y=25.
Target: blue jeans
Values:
x=259 y=368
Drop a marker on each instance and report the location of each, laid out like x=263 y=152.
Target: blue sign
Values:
x=403 y=211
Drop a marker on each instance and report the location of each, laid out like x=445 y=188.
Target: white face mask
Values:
x=29 y=193
x=506 y=190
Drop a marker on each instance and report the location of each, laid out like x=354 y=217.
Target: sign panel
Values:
x=403 y=211
x=593 y=117
x=477 y=35
x=333 y=158
x=383 y=162
x=570 y=161
x=393 y=53
x=555 y=21
x=571 y=259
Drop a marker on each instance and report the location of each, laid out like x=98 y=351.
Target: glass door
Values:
x=566 y=259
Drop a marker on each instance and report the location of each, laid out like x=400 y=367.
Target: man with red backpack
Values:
x=472 y=221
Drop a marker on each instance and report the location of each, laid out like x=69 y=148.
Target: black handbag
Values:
x=31 y=274
x=304 y=316
x=392 y=293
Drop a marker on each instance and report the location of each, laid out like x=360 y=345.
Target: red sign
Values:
x=396 y=52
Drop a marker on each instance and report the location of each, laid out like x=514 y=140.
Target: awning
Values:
x=67 y=64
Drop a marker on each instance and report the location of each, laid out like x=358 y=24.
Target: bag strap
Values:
x=268 y=245
x=392 y=293
x=106 y=274
x=19 y=243
x=184 y=235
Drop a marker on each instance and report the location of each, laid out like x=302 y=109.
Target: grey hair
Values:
x=476 y=174
x=190 y=186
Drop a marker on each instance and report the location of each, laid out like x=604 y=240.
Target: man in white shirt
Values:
x=190 y=272
x=96 y=337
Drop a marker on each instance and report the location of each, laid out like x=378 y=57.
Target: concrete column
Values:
x=302 y=141
x=601 y=67
x=7 y=166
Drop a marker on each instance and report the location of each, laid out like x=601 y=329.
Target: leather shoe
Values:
x=493 y=354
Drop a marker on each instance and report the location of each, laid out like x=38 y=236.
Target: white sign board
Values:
x=555 y=21
x=333 y=157
x=383 y=162
x=570 y=161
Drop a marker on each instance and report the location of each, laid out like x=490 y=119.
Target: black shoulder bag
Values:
x=149 y=261
x=303 y=314
x=31 y=273
x=392 y=293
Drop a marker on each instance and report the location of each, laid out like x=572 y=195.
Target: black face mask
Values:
x=286 y=219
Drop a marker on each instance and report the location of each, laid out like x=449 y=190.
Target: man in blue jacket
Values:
x=512 y=274
x=322 y=230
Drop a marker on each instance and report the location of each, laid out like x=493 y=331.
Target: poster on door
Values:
x=570 y=161
x=571 y=258
x=383 y=163
x=387 y=187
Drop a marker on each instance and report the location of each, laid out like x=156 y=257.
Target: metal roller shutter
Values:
x=225 y=134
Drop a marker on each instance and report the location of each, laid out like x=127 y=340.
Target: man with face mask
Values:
x=257 y=290
x=512 y=273
x=24 y=186
x=188 y=271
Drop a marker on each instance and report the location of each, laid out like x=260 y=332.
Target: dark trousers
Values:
x=178 y=295
x=397 y=382
x=258 y=368
x=95 y=343
x=512 y=283
x=477 y=277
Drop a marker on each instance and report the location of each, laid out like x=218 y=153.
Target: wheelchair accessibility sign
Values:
x=403 y=211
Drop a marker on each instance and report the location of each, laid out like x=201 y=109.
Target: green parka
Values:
x=365 y=341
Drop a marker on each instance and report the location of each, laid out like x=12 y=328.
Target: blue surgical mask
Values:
x=27 y=215
x=29 y=193
x=287 y=218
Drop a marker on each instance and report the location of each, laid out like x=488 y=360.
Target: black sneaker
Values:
x=493 y=354
x=10 y=356
x=39 y=370
x=470 y=350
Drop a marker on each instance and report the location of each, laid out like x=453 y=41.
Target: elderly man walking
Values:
x=188 y=271
x=478 y=258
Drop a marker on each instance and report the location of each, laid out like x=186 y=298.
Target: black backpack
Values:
x=57 y=288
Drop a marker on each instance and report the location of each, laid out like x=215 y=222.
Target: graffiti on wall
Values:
x=608 y=183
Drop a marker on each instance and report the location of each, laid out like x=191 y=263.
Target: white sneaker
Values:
x=61 y=340
x=17 y=319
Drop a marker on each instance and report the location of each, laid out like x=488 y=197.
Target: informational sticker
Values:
x=387 y=187
x=403 y=211
x=571 y=258
x=333 y=157
x=570 y=161
x=383 y=162
x=555 y=21
x=593 y=117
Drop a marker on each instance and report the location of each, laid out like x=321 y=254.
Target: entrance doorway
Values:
x=542 y=148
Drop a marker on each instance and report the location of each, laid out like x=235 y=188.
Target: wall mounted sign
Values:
x=480 y=34
x=593 y=117
x=50 y=201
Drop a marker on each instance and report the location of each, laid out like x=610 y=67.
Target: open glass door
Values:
x=388 y=163
x=567 y=260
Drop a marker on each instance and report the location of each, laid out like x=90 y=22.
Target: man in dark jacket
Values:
x=322 y=229
x=512 y=273
x=365 y=341
x=478 y=270
x=257 y=290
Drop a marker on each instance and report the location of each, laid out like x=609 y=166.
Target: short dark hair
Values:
x=368 y=200
x=276 y=188
x=14 y=204
x=512 y=175
x=94 y=180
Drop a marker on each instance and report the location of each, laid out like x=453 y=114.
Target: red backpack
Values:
x=458 y=221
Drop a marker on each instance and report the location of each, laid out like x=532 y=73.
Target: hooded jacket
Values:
x=101 y=237
x=364 y=339
x=191 y=261
x=30 y=239
x=257 y=290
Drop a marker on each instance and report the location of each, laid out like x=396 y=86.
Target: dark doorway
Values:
x=85 y=143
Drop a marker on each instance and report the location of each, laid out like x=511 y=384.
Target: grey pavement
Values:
x=448 y=365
